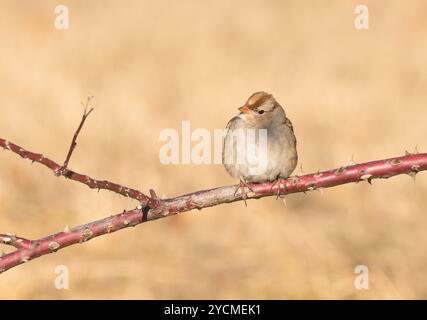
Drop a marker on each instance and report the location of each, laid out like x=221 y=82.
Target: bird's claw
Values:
x=242 y=185
x=281 y=186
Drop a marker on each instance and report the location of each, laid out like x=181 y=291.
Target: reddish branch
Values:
x=153 y=208
x=59 y=170
x=14 y=241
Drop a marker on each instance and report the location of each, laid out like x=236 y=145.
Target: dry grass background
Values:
x=152 y=64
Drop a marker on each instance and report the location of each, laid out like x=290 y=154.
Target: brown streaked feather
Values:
x=257 y=99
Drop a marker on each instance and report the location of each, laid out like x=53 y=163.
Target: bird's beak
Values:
x=244 y=109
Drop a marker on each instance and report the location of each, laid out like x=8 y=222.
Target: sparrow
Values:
x=260 y=144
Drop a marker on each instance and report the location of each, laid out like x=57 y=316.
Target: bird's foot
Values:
x=242 y=185
x=281 y=186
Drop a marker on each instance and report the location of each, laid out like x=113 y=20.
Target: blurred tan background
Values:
x=152 y=64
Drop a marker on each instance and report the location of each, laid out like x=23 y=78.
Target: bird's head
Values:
x=261 y=109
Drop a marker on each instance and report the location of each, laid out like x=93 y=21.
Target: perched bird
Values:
x=260 y=145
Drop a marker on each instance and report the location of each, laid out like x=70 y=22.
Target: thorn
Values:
x=415 y=168
x=416 y=150
x=153 y=194
x=413 y=175
x=413 y=172
x=99 y=189
x=321 y=190
x=301 y=170
x=367 y=178
x=67 y=228
x=317 y=174
x=407 y=153
x=284 y=201
x=139 y=207
x=352 y=162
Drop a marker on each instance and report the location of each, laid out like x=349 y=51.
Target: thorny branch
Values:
x=14 y=241
x=152 y=208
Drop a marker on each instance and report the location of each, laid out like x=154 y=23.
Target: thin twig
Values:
x=76 y=134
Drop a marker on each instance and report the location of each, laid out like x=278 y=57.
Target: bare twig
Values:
x=73 y=145
x=156 y=208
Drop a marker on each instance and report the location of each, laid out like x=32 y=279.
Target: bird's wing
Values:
x=289 y=124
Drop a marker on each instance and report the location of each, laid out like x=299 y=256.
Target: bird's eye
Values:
x=260 y=111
